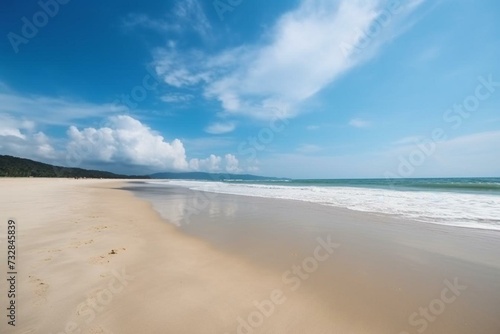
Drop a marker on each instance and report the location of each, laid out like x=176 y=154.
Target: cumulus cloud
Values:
x=301 y=55
x=128 y=141
x=210 y=164
x=232 y=164
x=10 y=126
x=122 y=141
x=20 y=138
x=214 y=163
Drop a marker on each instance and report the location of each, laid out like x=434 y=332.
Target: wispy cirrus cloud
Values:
x=177 y=98
x=300 y=56
x=185 y=15
x=120 y=139
x=220 y=128
x=133 y=21
x=52 y=110
x=456 y=156
x=359 y=123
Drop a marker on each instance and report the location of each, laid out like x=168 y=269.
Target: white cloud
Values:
x=359 y=123
x=467 y=155
x=300 y=56
x=10 y=126
x=220 y=128
x=32 y=146
x=210 y=164
x=128 y=141
x=177 y=98
x=186 y=15
x=232 y=164
x=191 y=12
x=50 y=110
x=19 y=138
x=463 y=156
x=41 y=145
x=180 y=69
x=122 y=140
x=216 y=164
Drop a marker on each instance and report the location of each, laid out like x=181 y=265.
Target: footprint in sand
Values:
x=101 y=259
x=99 y=228
x=78 y=244
x=40 y=289
x=98 y=330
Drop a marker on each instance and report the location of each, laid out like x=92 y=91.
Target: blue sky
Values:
x=302 y=88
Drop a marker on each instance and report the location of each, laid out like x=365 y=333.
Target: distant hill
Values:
x=18 y=167
x=212 y=176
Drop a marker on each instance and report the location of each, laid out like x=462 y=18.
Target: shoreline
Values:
x=388 y=258
x=98 y=259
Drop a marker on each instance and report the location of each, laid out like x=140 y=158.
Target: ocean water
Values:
x=463 y=202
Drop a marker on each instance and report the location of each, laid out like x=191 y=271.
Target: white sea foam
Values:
x=446 y=208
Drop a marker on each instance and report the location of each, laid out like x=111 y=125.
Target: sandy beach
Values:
x=93 y=258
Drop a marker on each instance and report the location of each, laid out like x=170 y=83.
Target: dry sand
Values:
x=159 y=280
x=94 y=259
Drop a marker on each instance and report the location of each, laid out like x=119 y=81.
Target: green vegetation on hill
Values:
x=19 y=167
